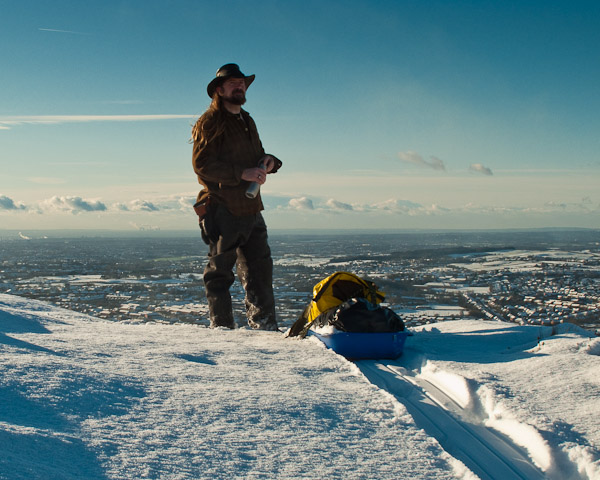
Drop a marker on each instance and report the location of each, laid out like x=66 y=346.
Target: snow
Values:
x=300 y=259
x=536 y=384
x=526 y=260
x=82 y=397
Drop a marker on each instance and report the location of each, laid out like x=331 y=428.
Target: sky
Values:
x=386 y=114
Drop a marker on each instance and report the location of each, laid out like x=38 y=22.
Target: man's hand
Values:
x=259 y=174
x=256 y=174
x=268 y=162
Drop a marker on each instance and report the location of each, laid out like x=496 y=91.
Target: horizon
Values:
x=386 y=115
x=41 y=234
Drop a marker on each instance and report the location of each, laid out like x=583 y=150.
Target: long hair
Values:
x=211 y=124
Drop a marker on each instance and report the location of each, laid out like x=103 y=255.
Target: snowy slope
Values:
x=83 y=398
x=529 y=394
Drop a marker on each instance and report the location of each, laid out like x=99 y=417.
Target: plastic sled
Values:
x=360 y=346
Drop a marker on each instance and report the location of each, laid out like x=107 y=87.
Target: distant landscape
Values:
x=526 y=277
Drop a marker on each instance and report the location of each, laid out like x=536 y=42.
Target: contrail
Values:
x=7 y=122
x=62 y=31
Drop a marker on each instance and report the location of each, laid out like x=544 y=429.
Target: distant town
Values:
x=158 y=279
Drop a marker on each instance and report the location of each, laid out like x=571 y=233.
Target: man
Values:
x=228 y=157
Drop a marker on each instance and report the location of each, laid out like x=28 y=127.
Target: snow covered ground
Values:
x=84 y=398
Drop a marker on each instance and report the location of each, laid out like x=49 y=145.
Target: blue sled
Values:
x=360 y=346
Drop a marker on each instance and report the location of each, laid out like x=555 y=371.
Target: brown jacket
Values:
x=220 y=163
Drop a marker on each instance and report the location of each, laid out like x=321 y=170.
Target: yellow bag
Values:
x=331 y=292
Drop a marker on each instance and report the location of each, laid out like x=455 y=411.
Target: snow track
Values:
x=458 y=428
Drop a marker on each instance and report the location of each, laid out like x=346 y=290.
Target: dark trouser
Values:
x=240 y=241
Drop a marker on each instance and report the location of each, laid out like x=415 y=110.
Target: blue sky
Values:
x=386 y=114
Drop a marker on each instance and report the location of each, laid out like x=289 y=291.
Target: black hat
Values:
x=231 y=70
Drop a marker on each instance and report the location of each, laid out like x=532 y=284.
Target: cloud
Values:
x=7 y=122
x=302 y=203
x=388 y=208
x=137 y=206
x=142 y=206
x=412 y=209
x=332 y=206
x=479 y=168
x=435 y=209
x=335 y=205
x=436 y=164
x=172 y=204
x=396 y=205
x=415 y=159
x=393 y=206
x=7 y=203
x=186 y=203
x=72 y=205
x=556 y=205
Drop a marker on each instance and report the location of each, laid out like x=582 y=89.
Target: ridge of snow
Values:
x=455 y=386
x=525 y=385
x=501 y=419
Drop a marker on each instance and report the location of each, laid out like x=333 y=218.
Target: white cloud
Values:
x=332 y=206
x=416 y=159
x=72 y=205
x=142 y=206
x=175 y=203
x=395 y=205
x=8 y=122
x=436 y=163
x=335 y=205
x=435 y=209
x=556 y=205
x=149 y=211
x=7 y=203
x=186 y=203
x=479 y=168
x=302 y=203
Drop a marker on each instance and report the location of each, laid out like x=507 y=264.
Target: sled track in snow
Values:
x=486 y=452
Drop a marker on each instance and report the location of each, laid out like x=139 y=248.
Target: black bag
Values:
x=205 y=211
x=201 y=208
x=358 y=315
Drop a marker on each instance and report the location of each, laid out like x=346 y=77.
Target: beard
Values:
x=237 y=97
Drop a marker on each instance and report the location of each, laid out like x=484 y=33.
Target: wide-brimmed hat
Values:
x=231 y=70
